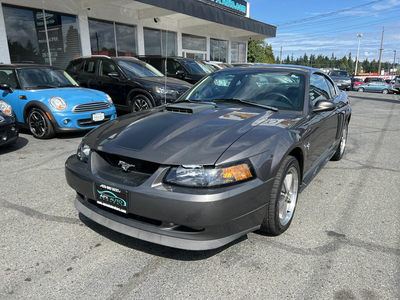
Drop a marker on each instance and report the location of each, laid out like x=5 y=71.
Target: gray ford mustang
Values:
x=229 y=157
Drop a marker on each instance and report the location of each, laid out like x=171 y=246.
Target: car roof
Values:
x=25 y=65
x=298 y=68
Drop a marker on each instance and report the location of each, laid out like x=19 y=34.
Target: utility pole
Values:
x=281 y=57
x=358 y=51
x=380 y=55
x=394 y=60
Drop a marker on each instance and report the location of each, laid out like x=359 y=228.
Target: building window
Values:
x=193 y=42
x=30 y=39
x=160 y=42
x=218 y=50
x=106 y=37
x=238 y=52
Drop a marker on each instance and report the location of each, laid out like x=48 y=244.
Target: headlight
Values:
x=58 y=103
x=5 y=107
x=83 y=152
x=162 y=90
x=109 y=98
x=200 y=176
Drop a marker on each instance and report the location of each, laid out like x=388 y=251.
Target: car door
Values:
x=109 y=79
x=87 y=73
x=7 y=75
x=322 y=127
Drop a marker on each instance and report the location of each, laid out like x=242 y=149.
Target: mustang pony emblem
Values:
x=125 y=166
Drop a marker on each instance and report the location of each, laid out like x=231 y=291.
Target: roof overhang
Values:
x=196 y=15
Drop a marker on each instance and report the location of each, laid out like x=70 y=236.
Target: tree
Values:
x=260 y=52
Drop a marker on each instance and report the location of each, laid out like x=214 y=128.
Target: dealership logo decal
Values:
x=111 y=198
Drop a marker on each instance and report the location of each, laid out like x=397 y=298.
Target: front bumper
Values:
x=185 y=218
x=8 y=131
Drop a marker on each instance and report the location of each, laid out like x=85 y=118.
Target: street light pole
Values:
x=394 y=60
x=358 y=51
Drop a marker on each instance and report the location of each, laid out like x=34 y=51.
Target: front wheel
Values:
x=40 y=125
x=385 y=91
x=140 y=102
x=283 y=198
x=342 y=145
x=360 y=90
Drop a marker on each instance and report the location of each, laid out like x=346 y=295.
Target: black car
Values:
x=177 y=67
x=228 y=158
x=132 y=84
x=8 y=125
x=342 y=79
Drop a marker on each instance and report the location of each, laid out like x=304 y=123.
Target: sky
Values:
x=326 y=27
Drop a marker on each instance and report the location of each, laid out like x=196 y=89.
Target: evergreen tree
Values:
x=260 y=52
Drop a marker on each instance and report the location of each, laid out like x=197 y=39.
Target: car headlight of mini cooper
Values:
x=58 y=103
x=83 y=152
x=109 y=98
x=162 y=90
x=6 y=108
x=206 y=177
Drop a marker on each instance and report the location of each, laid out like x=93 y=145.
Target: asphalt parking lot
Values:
x=343 y=243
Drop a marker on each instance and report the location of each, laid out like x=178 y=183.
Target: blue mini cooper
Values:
x=47 y=100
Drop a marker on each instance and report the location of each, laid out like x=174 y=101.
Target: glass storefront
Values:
x=219 y=50
x=238 y=52
x=160 y=42
x=193 y=42
x=106 y=37
x=32 y=40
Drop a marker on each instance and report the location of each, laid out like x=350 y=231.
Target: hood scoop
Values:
x=189 y=108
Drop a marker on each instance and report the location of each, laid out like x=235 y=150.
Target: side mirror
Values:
x=6 y=87
x=324 y=105
x=180 y=73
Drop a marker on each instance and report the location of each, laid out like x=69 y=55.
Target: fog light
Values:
x=13 y=129
x=66 y=121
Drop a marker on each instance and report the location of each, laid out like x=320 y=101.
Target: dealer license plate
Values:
x=96 y=117
x=339 y=84
x=112 y=197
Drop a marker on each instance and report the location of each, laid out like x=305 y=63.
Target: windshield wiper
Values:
x=66 y=85
x=46 y=86
x=247 y=102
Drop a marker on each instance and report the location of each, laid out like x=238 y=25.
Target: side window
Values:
x=8 y=76
x=90 y=67
x=156 y=63
x=75 y=66
x=319 y=89
x=331 y=88
x=107 y=67
x=173 y=66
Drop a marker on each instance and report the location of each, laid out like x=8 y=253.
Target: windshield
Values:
x=42 y=78
x=281 y=89
x=339 y=73
x=138 y=69
x=196 y=67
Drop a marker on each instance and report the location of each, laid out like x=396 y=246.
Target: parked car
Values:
x=177 y=67
x=8 y=125
x=342 y=79
x=374 y=87
x=217 y=65
x=224 y=160
x=47 y=100
x=375 y=79
x=356 y=82
x=133 y=84
x=395 y=85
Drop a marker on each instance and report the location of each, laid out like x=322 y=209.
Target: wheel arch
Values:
x=135 y=92
x=37 y=104
x=299 y=155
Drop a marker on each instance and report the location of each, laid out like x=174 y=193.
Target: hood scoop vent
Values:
x=189 y=108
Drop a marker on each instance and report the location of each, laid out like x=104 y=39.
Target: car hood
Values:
x=172 y=136
x=73 y=95
x=335 y=78
x=174 y=83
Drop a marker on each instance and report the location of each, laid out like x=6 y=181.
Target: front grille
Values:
x=90 y=122
x=92 y=106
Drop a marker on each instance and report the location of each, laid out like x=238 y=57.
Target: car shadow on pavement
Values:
x=19 y=144
x=154 y=249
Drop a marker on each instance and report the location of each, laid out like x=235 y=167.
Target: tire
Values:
x=342 y=145
x=283 y=198
x=360 y=90
x=40 y=125
x=385 y=91
x=140 y=102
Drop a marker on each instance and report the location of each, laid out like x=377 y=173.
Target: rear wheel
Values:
x=140 y=102
x=342 y=145
x=360 y=90
x=283 y=198
x=40 y=125
x=385 y=91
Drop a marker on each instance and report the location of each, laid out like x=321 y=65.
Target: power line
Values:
x=327 y=14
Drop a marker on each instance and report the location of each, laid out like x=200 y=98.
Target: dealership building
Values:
x=55 y=31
